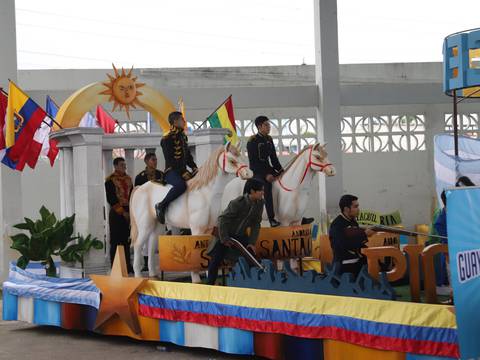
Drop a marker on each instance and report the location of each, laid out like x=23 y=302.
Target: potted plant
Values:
x=75 y=253
x=51 y=237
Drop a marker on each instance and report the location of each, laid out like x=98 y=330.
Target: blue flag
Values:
x=51 y=108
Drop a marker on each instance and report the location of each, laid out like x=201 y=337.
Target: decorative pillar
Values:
x=67 y=200
x=107 y=170
x=10 y=180
x=88 y=188
x=206 y=142
x=328 y=110
x=130 y=160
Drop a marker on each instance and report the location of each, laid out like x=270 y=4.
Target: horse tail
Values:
x=133 y=222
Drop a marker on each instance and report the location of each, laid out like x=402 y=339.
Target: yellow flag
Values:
x=181 y=108
x=16 y=101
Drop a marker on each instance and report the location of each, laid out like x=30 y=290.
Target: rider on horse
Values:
x=177 y=158
x=264 y=162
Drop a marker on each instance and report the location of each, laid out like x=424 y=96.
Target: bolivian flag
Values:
x=224 y=118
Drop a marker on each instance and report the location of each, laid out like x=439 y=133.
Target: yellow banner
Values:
x=367 y=217
x=391 y=219
x=189 y=252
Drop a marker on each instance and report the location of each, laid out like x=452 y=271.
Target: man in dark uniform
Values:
x=241 y=221
x=264 y=162
x=347 y=238
x=177 y=158
x=118 y=187
x=151 y=173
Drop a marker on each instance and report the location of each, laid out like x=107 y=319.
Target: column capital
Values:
x=210 y=136
x=78 y=137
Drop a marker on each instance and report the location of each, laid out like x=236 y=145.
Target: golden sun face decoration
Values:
x=123 y=90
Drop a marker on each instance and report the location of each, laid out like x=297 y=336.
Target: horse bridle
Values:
x=309 y=165
x=224 y=164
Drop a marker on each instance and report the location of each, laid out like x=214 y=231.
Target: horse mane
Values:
x=292 y=161
x=207 y=172
x=323 y=152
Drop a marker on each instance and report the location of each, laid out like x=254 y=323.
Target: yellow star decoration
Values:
x=118 y=294
x=123 y=90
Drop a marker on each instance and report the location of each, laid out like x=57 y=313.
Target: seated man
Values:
x=177 y=158
x=241 y=221
x=347 y=238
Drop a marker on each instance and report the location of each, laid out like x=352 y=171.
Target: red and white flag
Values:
x=106 y=122
x=32 y=153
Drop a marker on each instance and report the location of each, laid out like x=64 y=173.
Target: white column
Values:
x=328 y=110
x=68 y=182
x=107 y=163
x=10 y=180
x=206 y=142
x=107 y=170
x=88 y=189
x=130 y=160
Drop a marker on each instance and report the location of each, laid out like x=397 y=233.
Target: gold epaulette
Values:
x=251 y=138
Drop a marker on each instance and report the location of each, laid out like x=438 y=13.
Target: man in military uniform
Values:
x=177 y=158
x=347 y=238
x=118 y=187
x=151 y=173
x=264 y=162
x=241 y=221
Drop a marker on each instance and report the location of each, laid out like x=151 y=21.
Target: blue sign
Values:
x=463 y=224
x=457 y=73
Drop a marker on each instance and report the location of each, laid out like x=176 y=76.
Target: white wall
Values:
x=386 y=182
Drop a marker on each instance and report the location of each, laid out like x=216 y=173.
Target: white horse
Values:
x=291 y=191
x=198 y=208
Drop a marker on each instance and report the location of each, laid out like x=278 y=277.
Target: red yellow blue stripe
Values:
x=395 y=326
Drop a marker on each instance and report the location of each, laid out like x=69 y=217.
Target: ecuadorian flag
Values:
x=224 y=118
x=23 y=119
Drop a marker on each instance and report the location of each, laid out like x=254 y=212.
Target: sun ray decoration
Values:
x=123 y=90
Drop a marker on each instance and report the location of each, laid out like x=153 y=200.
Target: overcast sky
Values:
x=194 y=33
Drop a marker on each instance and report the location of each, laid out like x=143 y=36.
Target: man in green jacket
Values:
x=241 y=221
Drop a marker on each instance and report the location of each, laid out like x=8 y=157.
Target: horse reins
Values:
x=309 y=165
x=224 y=164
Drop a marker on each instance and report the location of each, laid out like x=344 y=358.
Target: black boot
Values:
x=306 y=221
x=274 y=223
x=160 y=212
x=145 y=263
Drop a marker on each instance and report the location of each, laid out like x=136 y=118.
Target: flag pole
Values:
x=214 y=111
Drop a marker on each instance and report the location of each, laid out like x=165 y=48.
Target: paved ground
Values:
x=19 y=340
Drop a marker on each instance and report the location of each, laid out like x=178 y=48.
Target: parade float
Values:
x=273 y=310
